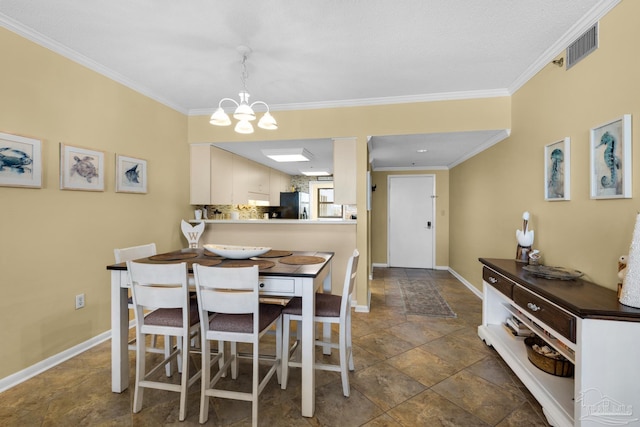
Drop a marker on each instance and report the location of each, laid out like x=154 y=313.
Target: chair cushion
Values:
x=327 y=305
x=172 y=316
x=243 y=323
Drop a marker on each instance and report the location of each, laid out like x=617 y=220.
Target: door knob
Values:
x=428 y=224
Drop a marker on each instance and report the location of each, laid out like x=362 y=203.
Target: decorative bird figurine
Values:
x=192 y=232
x=525 y=239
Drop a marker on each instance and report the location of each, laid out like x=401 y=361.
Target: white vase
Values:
x=630 y=293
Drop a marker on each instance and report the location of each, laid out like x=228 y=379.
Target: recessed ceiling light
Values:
x=288 y=154
x=422 y=150
x=315 y=173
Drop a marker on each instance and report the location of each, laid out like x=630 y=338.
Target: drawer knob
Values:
x=262 y=285
x=493 y=279
x=533 y=307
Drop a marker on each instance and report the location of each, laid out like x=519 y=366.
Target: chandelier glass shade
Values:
x=243 y=112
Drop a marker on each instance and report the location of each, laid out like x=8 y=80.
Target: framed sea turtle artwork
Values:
x=81 y=168
x=131 y=175
x=20 y=161
x=557 y=170
x=611 y=159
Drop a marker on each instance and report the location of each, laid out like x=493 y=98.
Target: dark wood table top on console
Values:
x=580 y=297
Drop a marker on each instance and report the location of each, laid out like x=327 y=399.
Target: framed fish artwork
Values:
x=131 y=175
x=611 y=159
x=557 y=170
x=20 y=161
x=81 y=168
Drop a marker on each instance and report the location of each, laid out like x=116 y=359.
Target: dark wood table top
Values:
x=580 y=297
x=196 y=255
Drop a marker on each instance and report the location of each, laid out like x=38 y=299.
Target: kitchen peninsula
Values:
x=337 y=236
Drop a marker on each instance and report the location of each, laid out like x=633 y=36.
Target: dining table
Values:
x=282 y=274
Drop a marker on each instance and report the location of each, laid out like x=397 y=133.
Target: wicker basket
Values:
x=558 y=367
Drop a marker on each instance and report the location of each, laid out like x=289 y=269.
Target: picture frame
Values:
x=131 y=175
x=20 y=161
x=557 y=170
x=611 y=160
x=81 y=168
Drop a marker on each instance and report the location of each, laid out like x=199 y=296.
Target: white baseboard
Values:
x=40 y=367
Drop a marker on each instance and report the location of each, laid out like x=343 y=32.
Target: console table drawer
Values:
x=497 y=281
x=541 y=309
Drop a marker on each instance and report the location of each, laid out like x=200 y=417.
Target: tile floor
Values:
x=410 y=371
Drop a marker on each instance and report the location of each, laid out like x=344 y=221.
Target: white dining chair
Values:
x=329 y=309
x=232 y=296
x=130 y=254
x=162 y=289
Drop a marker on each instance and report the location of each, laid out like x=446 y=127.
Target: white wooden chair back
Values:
x=134 y=252
x=227 y=290
x=157 y=286
x=349 y=283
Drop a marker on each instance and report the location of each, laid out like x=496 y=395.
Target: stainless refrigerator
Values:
x=294 y=205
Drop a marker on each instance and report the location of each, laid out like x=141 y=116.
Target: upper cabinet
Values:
x=344 y=171
x=211 y=175
x=279 y=182
x=219 y=177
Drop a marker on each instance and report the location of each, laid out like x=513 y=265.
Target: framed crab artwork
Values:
x=81 y=169
x=131 y=175
x=557 y=170
x=20 y=161
x=611 y=159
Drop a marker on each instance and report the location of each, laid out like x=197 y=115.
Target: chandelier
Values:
x=244 y=111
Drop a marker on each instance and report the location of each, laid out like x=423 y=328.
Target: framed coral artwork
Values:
x=81 y=169
x=611 y=159
x=557 y=170
x=131 y=175
x=20 y=161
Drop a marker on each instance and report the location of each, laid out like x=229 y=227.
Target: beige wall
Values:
x=55 y=244
x=379 y=219
x=490 y=192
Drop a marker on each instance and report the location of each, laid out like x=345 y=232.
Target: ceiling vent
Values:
x=587 y=43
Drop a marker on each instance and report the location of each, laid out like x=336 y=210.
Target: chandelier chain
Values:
x=245 y=74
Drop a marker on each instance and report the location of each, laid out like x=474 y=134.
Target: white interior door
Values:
x=411 y=221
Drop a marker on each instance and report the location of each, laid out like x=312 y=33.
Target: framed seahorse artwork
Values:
x=557 y=170
x=131 y=175
x=611 y=159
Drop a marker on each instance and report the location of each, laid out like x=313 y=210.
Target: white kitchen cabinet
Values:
x=211 y=175
x=279 y=182
x=250 y=181
x=344 y=171
x=582 y=321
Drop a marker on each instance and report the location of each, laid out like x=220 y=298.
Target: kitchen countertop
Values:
x=279 y=221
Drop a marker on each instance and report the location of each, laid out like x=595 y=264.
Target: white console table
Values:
x=583 y=321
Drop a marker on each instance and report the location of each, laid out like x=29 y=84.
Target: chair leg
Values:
x=235 y=363
x=205 y=380
x=349 y=343
x=184 y=380
x=140 y=371
x=285 y=352
x=255 y=384
x=167 y=352
x=344 y=373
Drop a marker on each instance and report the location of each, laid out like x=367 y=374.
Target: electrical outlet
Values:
x=79 y=301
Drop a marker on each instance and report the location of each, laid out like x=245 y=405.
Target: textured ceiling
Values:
x=310 y=54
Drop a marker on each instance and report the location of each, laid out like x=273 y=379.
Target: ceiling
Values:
x=316 y=54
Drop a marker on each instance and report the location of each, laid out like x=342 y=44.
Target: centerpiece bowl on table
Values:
x=236 y=252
